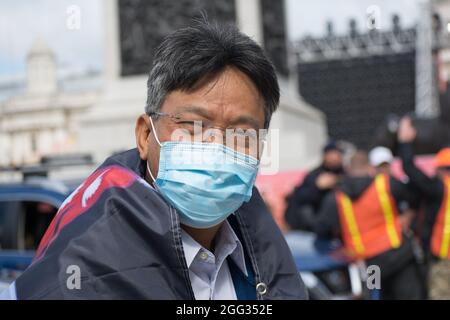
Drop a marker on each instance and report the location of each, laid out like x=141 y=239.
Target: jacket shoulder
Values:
x=129 y=159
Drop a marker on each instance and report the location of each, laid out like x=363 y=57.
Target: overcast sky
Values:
x=310 y=16
x=21 y=22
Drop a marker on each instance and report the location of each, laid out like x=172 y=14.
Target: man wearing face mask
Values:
x=178 y=217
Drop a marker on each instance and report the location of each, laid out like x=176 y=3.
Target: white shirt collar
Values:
x=227 y=244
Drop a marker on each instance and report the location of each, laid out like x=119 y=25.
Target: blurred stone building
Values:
x=44 y=118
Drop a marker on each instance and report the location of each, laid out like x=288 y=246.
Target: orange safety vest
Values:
x=440 y=238
x=370 y=225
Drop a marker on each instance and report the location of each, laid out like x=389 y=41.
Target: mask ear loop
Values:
x=150 y=172
x=154 y=131
x=157 y=140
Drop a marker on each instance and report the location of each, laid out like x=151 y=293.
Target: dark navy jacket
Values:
x=125 y=240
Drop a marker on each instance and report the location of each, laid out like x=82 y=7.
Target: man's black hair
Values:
x=204 y=49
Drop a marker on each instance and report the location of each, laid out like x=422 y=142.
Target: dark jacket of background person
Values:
x=306 y=199
x=431 y=189
x=128 y=246
x=400 y=274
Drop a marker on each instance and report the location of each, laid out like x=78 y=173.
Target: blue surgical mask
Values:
x=205 y=182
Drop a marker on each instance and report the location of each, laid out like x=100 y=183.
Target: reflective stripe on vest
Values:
x=361 y=237
x=440 y=240
x=349 y=215
x=388 y=211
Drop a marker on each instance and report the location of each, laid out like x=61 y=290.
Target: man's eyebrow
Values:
x=194 y=109
x=244 y=119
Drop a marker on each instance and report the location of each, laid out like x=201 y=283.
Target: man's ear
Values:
x=142 y=132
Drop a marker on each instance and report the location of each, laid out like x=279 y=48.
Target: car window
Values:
x=23 y=223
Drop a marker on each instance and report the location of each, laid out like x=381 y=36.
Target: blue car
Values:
x=26 y=210
x=327 y=272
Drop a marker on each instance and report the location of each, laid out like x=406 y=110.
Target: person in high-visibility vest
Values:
x=381 y=159
x=364 y=211
x=436 y=194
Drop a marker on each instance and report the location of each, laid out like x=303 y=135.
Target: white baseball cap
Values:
x=380 y=155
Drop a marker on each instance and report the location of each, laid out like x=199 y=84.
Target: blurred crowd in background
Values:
x=400 y=224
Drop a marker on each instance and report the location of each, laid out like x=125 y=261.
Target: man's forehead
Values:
x=229 y=96
x=230 y=84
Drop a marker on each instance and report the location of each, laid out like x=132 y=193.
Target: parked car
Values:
x=26 y=210
x=328 y=273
